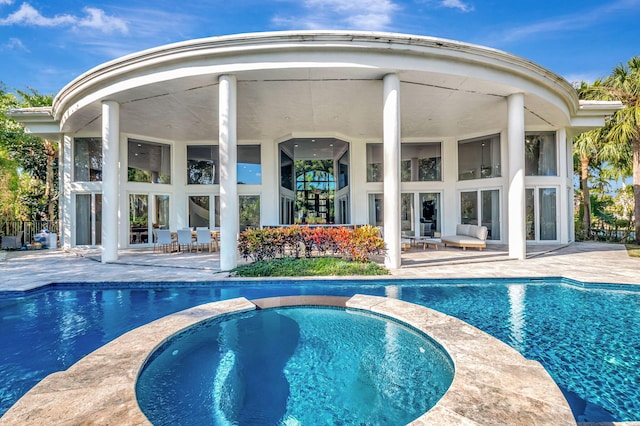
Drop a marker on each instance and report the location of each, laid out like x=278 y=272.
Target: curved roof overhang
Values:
x=318 y=81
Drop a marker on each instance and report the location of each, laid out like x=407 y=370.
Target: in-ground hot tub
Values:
x=294 y=365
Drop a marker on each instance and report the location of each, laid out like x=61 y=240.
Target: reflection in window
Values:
x=87 y=159
x=199 y=211
x=430 y=222
x=479 y=158
x=469 y=207
x=286 y=171
x=138 y=218
x=202 y=164
x=376 y=210
x=149 y=162
x=343 y=171
x=249 y=212
x=541 y=214
x=406 y=214
x=161 y=212
x=548 y=225
x=421 y=162
x=530 y=211
x=540 y=154
x=375 y=170
x=249 y=165
x=491 y=213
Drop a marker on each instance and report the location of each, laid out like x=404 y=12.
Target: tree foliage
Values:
x=28 y=164
x=622 y=132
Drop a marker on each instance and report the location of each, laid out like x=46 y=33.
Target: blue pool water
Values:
x=587 y=338
x=295 y=365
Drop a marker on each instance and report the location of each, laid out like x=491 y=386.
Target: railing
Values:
x=30 y=228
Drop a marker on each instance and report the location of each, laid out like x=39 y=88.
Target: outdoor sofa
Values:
x=13 y=242
x=467 y=236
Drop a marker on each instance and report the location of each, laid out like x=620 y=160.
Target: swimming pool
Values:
x=587 y=338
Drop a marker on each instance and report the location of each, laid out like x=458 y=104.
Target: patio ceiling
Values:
x=276 y=104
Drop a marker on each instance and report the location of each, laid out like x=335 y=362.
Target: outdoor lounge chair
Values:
x=12 y=242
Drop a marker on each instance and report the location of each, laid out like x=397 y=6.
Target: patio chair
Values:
x=203 y=238
x=12 y=242
x=185 y=239
x=163 y=240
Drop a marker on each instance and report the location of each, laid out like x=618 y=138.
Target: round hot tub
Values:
x=294 y=365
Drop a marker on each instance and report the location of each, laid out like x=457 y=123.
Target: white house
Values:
x=412 y=133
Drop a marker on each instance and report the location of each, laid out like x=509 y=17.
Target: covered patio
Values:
x=415 y=134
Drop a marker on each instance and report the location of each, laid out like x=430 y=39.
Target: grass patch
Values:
x=633 y=250
x=305 y=267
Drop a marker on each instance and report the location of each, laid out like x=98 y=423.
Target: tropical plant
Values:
x=29 y=164
x=624 y=127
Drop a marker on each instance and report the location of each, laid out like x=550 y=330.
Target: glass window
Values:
x=249 y=165
x=540 y=154
x=343 y=171
x=286 y=171
x=89 y=219
x=138 y=218
x=199 y=211
x=202 y=164
x=375 y=170
x=491 y=213
x=161 y=212
x=406 y=214
x=421 y=162
x=548 y=224
x=430 y=214
x=541 y=214
x=530 y=212
x=376 y=210
x=469 y=207
x=87 y=159
x=149 y=162
x=249 y=212
x=479 y=158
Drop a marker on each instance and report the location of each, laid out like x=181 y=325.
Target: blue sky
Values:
x=45 y=44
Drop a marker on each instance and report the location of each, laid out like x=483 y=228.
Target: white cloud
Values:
x=457 y=4
x=14 y=43
x=6 y=2
x=94 y=18
x=573 y=22
x=355 y=14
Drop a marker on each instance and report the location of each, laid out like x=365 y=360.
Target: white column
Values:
x=229 y=208
x=515 y=147
x=391 y=148
x=110 y=179
x=65 y=213
x=565 y=207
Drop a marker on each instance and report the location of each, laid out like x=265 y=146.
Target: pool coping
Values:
x=493 y=383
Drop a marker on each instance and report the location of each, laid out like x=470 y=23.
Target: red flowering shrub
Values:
x=356 y=244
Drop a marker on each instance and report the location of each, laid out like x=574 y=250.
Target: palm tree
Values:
x=585 y=147
x=624 y=127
